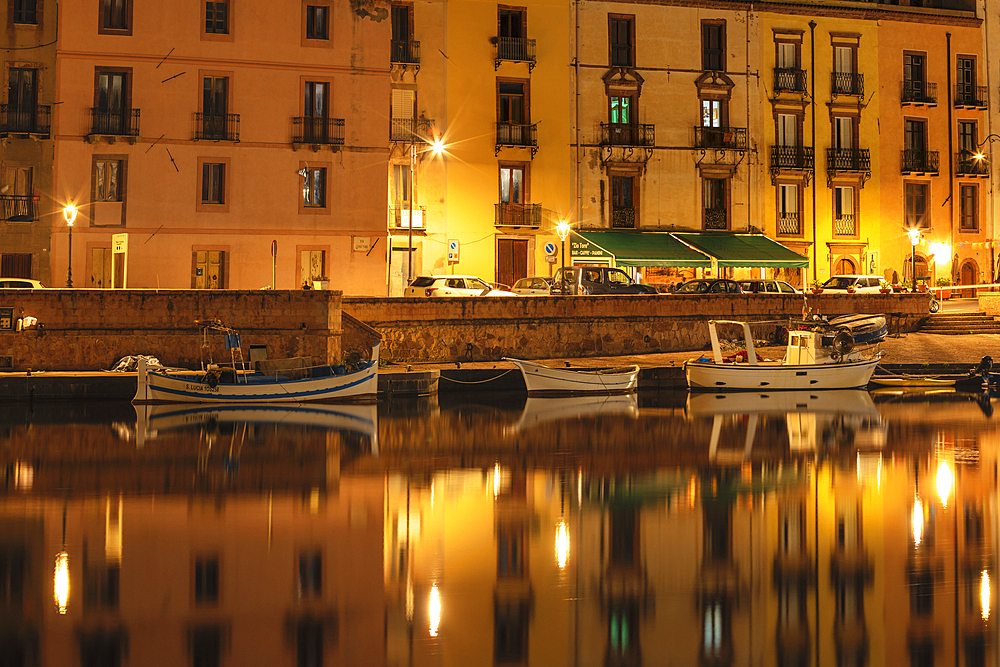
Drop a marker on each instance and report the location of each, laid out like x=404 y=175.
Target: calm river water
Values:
x=832 y=528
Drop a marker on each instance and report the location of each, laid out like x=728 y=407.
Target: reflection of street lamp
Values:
x=562 y=229
x=437 y=147
x=914 y=240
x=69 y=212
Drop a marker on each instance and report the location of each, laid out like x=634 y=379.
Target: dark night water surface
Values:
x=831 y=528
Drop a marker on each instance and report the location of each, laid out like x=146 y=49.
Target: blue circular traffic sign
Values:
x=550 y=248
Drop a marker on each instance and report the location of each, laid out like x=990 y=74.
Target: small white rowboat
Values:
x=542 y=380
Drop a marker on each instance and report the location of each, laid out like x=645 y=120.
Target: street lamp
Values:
x=562 y=229
x=437 y=147
x=914 y=240
x=979 y=154
x=69 y=212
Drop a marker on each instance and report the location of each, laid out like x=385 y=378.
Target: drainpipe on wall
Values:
x=812 y=106
x=951 y=165
x=576 y=113
x=989 y=130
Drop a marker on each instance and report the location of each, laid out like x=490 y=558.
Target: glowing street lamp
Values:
x=69 y=212
x=437 y=147
x=914 y=240
x=562 y=229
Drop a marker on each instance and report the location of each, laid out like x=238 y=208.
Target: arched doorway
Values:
x=845 y=267
x=968 y=274
x=923 y=273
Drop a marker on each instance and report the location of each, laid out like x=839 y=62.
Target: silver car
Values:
x=452 y=286
x=532 y=286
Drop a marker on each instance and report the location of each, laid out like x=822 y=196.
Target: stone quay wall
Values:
x=490 y=328
x=89 y=329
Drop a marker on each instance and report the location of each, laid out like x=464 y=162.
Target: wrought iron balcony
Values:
x=716 y=218
x=19 y=208
x=114 y=122
x=518 y=215
x=401 y=129
x=848 y=160
x=401 y=216
x=789 y=79
x=733 y=138
x=623 y=217
x=848 y=83
x=34 y=119
x=628 y=134
x=515 y=49
x=967 y=165
x=791 y=157
x=404 y=52
x=217 y=127
x=971 y=96
x=919 y=92
x=788 y=223
x=318 y=130
x=919 y=160
x=843 y=225
x=520 y=135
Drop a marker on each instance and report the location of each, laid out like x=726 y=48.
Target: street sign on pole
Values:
x=453 y=249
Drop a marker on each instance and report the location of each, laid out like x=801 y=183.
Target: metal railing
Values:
x=19 y=208
x=716 y=218
x=734 y=138
x=516 y=49
x=318 y=130
x=404 y=52
x=848 y=159
x=35 y=119
x=114 y=122
x=791 y=157
x=217 y=127
x=843 y=225
x=970 y=96
x=401 y=129
x=919 y=92
x=920 y=160
x=518 y=215
x=517 y=134
x=401 y=215
x=788 y=223
x=967 y=165
x=848 y=83
x=627 y=134
x=789 y=79
x=623 y=217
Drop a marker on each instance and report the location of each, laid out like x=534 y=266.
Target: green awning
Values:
x=634 y=249
x=737 y=250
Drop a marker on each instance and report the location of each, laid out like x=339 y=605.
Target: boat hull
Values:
x=745 y=377
x=542 y=380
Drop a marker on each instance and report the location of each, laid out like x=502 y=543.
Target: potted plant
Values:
x=921 y=286
x=944 y=282
x=817 y=287
x=321 y=283
x=885 y=289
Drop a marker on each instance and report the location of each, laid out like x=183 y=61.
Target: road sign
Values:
x=550 y=248
x=453 y=249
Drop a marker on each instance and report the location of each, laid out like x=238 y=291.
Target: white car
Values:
x=452 y=286
x=20 y=283
x=862 y=284
x=532 y=286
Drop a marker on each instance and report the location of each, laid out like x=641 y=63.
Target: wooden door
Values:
x=512 y=260
x=100 y=268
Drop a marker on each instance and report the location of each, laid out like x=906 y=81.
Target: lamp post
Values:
x=437 y=147
x=914 y=234
x=69 y=212
x=562 y=229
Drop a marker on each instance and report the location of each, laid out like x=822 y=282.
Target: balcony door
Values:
x=513 y=179
x=622 y=202
x=914 y=75
x=843 y=133
x=915 y=138
x=22 y=99
x=788 y=130
x=966 y=80
x=215 y=106
x=512 y=113
x=18 y=204
x=112 y=101
x=315 y=108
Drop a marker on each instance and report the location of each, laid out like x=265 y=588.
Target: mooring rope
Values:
x=478 y=381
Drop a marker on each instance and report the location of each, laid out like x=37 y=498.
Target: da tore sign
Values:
x=587 y=252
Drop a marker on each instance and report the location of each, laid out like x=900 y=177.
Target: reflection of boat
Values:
x=808 y=364
x=542 y=380
x=539 y=410
x=913 y=381
x=853 y=401
x=276 y=381
x=359 y=418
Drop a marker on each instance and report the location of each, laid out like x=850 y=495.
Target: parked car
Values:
x=767 y=287
x=596 y=280
x=710 y=286
x=20 y=283
x=863 y=284
x=452 y=286
x=532 y=286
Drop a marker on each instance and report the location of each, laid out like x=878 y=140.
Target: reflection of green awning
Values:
x=732 y=250
x=634 y=249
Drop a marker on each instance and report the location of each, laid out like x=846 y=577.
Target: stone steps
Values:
x=960 y=323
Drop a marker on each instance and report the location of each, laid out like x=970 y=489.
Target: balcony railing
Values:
x=789 y=79
x=217 y=127
x=401 y=216
x=401 y=129
x=733 y=138
x=848 y=160
x=843 y=225
x=627 y=134
x=515 y=49
x=967 y=165
x=788 y=223
x=318 y=130
x=34 y=119
x=623 y=217
x=404 y=52
x=715 y=218
x=919 y=92
x=19 y=208
x=517 y=134
x=518 y=215
x=971 y=96
x=848 y=83
x=114 y=122
x=920 y=160
x=791 y=157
